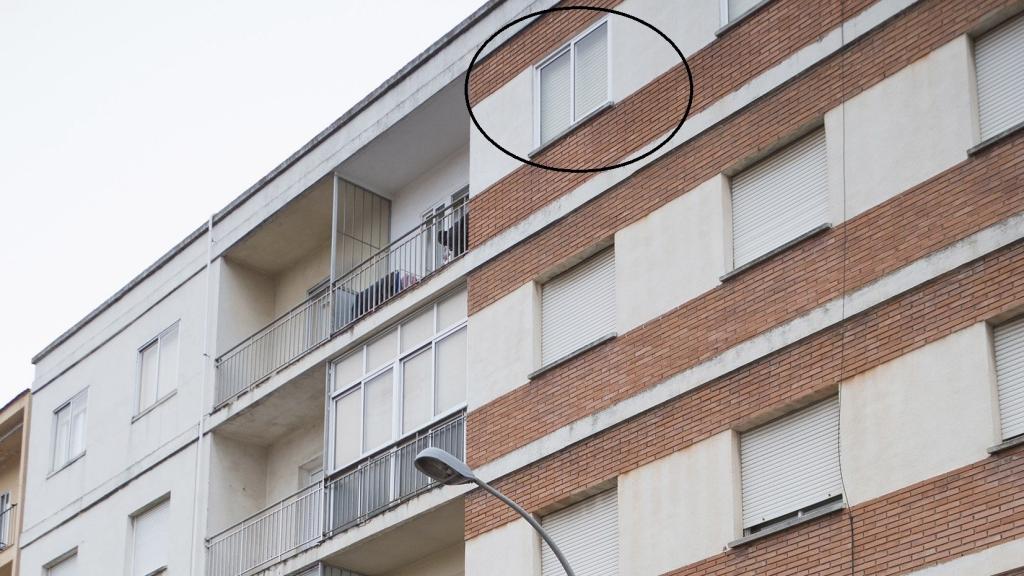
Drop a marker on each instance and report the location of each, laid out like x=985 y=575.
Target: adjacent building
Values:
x=785 y=337
x=13 y=452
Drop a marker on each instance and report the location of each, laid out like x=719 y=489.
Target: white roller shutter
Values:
x=999 y=68
x=1009 y=345
x=578 y=307
x=779 y=198
x=738 y=8
x=587 y=534
x=66 y=567
x=149 y=553
x=555 y=96
x=791 y=463
x=591 y=74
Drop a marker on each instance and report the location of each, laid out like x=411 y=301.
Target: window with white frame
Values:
x=1000 y=77
x=733 y=10
x=1008 y=340
x=399 y=383
x=572 y=82
x=66 y=565
x=588 y=535
x=5 y=520
x=779 y=199
x=790 y=466
x=578 y=307
x=149 y=540
x=157 y=372
x=69 y=430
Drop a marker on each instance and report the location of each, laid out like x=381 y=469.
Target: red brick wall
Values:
x=973 y=195
x=781 y=28
x=972 y=293
x=883 y=52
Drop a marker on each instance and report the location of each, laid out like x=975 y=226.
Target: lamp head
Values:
x=443 y=467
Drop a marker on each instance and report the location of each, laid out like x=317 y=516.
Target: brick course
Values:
x=975 y=292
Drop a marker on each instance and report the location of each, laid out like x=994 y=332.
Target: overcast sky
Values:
x=124 y=124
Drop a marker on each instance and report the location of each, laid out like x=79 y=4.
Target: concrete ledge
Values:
x=737 y=271
x=992 y=141
x=1007 y=444
x=786 y=524
x=577 y=352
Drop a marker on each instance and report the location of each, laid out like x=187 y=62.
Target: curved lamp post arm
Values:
x=529 y=518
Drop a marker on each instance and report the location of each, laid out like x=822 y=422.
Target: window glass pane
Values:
x=77 y=443
x=591 y=71
x=168 y=363
x=66 y=567
x=554 y=97
x=738 y=8
x=347 y=428
x=451 y=310
x=348 y=370
x=418 y=329
x=381 y=351
x=377 y=411
x=416 y=391
x=451 y=371
x=149 y=361
x=62 y=432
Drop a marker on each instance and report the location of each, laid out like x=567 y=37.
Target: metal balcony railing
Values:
x=302 y=520
x=7 y=527
x=404 y=263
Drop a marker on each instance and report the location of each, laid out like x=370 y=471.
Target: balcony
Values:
x=7 y=527
x=356 y=494
x=364 y=287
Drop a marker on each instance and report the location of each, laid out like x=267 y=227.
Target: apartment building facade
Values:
x=786 y=338
x=13 y=442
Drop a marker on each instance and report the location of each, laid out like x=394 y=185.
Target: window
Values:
x=588 y=535
x=790 y=466
x=733 y=10
x=149 y=540
x=578 y=307
x=572 y=83
x=1009 y=350
x=69 y=431
x=157 y=368
x=1000 y=78
x=5 y=520
x=66 y=565
x=398 y=384
x=779 y=199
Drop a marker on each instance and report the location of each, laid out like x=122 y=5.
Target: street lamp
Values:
x=449 y=470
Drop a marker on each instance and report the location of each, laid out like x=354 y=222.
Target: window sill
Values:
x=65 y=465
x=154 y=405
x=575 y=353
x=733 y=23
x=1007 y=444
x=570 y=129
x=786 y=524
x=737 y=271
x=993 y=140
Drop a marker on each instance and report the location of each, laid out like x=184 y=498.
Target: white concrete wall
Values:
x=511 y=550
x=504 y=340
x=291 y=287
x=102 y=532
x=670 y=256
x=638 y=56
x=995 y=560
x=286 y=456
x=114 y=444
x=907 y=128
x=447 y=562
x=245 y=303
x=237 y=482
x=432 y=188
x=679 y=509
x=918 y=416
